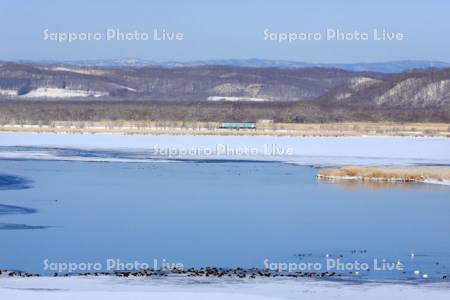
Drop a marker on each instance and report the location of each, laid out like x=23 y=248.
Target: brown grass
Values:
x=212 y=128
x=406 y=174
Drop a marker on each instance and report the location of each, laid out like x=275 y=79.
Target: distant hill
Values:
x=204 y=83
x=215 y=83
x=421 y=88
x=382 y=67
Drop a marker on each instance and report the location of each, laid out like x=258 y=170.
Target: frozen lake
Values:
x=206 y=213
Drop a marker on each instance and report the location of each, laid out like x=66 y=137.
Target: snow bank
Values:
x=441 y=182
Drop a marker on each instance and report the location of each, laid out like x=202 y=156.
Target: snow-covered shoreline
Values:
x=112 y=288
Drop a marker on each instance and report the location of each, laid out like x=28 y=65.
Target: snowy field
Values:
x=113 y=288
x=315 y=151
x=61 y=93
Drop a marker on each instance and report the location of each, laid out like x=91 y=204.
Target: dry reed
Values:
x=387 y=174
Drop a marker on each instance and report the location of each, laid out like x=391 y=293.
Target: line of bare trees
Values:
x=45 y=112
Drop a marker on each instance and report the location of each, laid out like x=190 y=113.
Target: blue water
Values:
x=227 y=214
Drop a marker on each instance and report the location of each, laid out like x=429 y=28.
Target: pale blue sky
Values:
x=229 y=29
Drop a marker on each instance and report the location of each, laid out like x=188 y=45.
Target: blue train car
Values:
x=238 y=125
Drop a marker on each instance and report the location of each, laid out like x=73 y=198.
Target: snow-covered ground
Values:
x=316 y=151
x=8 y=92
x=61 y=93
x=112 y=288
x=235 y=99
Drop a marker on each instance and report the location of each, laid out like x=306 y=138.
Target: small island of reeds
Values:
x=388 y=174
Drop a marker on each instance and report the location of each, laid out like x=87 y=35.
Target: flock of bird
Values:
x=214 y=272
x=191 y=272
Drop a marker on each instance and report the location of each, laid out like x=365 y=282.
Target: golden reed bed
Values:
x=406 y=174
